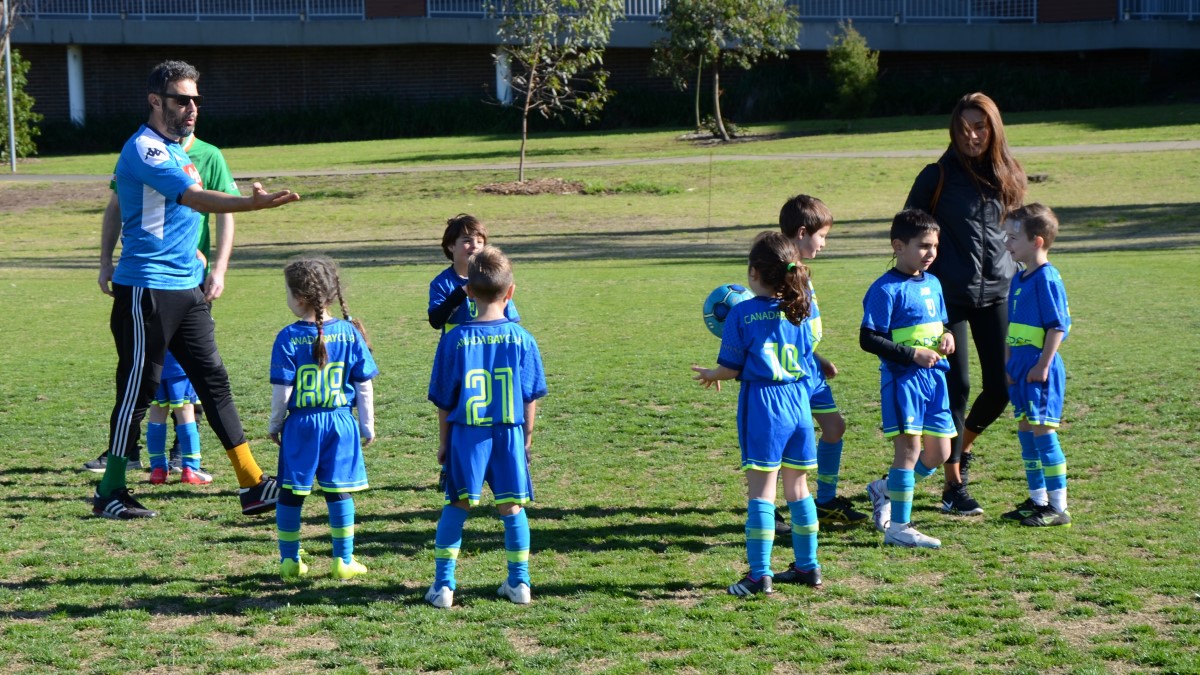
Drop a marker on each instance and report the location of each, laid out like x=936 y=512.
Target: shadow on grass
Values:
x=1124 y=227
x=505 y=156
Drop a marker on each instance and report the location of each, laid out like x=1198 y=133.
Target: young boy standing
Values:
x=487 y=376
x=807 y=221
x=1038 y=323
x=904 y=324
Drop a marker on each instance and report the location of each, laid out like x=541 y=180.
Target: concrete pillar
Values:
x=504 y=92
x=75 y=83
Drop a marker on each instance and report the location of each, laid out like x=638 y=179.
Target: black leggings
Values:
x=146 y=323
x=989 y=330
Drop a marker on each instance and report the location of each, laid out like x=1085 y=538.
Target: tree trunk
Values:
x=699 y=80
x=524 y=136
x=717 y=100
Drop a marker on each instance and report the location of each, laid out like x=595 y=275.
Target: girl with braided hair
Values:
x=321 y=367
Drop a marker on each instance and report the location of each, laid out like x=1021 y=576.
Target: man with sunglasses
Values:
x=158 y=300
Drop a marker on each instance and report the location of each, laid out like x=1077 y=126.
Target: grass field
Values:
x=639 y=522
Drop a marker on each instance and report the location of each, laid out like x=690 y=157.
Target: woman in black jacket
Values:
x=970 y=190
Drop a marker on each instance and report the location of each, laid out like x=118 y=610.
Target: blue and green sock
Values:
x=447 y=540
x=516 y=547
x=804 y=533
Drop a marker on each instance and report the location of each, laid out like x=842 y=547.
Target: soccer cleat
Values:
x=120 y=506
x=782 y=526
x=881 y=504
x=956 y=501
x=100 y=464
x=260 y=498
x=1046 y=516
x=441 y=598
x=518 y=595
x=194 y=476
x=748 y=586
x=909 y=538
x=158 y=475
x=347 y=570
x=291 y=570
x=838 y=511
x=794 y=576
x=1024 y=510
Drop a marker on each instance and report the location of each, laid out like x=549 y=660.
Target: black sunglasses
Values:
x=184 y=99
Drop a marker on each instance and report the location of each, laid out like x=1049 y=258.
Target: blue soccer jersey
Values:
x=1037 y=302
x=485 y=372
x=446 y=283
x=910 y=310
x=348 y=362
x=763 y=345
x=158 y=233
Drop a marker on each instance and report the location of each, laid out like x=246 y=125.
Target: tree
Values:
x=555 y=50
x=853 y=66
x=26 y=119
x=724 y=32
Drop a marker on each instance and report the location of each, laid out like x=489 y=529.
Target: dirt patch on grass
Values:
x=534 y=186
x=18 y=198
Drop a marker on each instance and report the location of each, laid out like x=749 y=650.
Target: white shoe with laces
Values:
x=519 y=594
x=881 y=504
x=441 y=598
x=906 y=535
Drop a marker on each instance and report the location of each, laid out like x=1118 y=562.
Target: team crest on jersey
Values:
x=925 y=291
x=191 y=170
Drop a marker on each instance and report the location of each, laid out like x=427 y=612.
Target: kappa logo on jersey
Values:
x=152 y=154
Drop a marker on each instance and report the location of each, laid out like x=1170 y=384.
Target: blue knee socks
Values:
x=446 y=542
x=1032 y=459
x=804 y=533
x=829 y=465
x=516 y=547
x=760 y=536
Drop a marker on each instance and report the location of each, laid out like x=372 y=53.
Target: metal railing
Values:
x=199 y=10
x=1160 y=10
x=897 y=11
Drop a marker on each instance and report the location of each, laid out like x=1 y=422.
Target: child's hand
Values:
x=1038 y=373
x=367 y=440
x=947 y=345
x=1008 y=379
x=707 y=377
x=926 y=358
x=275 y=438
x=828 y=369
x=442 y=449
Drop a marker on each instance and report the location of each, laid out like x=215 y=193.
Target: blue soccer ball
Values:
x=719 y=302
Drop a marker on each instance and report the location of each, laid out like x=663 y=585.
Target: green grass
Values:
x=638 y=525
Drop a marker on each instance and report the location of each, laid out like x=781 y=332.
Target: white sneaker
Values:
x=906 y=535
x=881 y=504
x=441 y=598
x=518 y=594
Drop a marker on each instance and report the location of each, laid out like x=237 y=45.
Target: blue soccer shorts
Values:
x=494 y=455
x=915 y=402
x=175 y=392
x=821 y=399
x=321 y=447
x=775 y=427
x=1038 y=403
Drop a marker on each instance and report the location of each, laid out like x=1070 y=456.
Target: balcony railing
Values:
x=892 y=11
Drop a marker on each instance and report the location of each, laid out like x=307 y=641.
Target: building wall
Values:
x=1054 y=11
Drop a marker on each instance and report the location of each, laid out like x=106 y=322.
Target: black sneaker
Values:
x=1024 y=510
x=100 y=464
x=120 y=506
x=260 y=498
x=794 y=576
x=838 y=511
x=782 y=525
x=1046 y=516
x=748 y=586
x=957 y=502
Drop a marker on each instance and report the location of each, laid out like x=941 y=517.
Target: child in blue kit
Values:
x=487 y=377
x=904 y=324
x=449 y=305
x=321 y=367
x=1038 y=322
x=767 y=345
x=174 y=395
x=807 y=221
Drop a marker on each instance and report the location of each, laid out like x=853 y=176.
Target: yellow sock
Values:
x=248 y=473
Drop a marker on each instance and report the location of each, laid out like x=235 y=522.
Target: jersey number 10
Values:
x=784 y=360
x=500 y=382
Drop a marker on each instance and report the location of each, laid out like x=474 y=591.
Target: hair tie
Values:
x=791 y=266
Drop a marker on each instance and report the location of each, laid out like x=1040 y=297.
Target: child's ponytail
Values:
x=794 y=295
x=777 y=262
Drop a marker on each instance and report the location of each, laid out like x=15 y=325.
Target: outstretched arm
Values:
x=709 y=376
x=211 y=201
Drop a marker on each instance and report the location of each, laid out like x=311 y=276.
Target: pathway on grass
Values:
x=1080 y=149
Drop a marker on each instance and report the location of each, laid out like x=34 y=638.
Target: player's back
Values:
x=759 y=341
x=348 y=361
x=485 y=371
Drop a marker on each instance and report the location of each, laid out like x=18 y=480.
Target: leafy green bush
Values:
x=853 y=67
x=26 y=120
